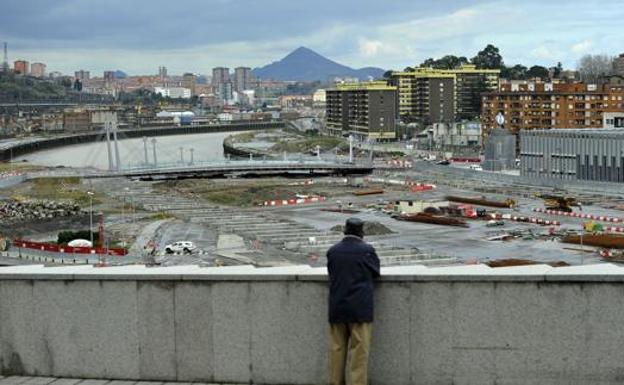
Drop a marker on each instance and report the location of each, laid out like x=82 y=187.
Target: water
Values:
x=131 y=151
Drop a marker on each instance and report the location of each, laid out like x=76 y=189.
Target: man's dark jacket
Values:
x=352 y=266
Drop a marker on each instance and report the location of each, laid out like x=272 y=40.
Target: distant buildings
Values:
x=173 y=92
x=38 y=70
x=431 y=95
x=319 y=98
x=224 y=91
x=109 y=76
x=536 y=105
x=295 y=101
x=365 y=110
x=242 y=78
x=162 y=73
x=618 y=65
x=21 y=67
x=220 y=75
x=576 y=154
x=82 y=75
x=188 y=81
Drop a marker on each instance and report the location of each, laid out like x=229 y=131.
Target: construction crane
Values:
x=559 y=202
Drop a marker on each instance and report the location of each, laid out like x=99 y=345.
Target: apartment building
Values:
x=21 y=67
x=220 y=75
x=242 y=78
x=618 y=65
x=433 y=95
x=366 y=110
x=188 y=81
x=38 y=70
x=537 y=105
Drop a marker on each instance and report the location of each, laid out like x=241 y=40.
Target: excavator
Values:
x=559 y=202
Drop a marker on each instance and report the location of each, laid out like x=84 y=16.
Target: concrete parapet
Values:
x=444 y=325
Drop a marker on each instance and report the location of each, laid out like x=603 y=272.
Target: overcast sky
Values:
x=137 y=36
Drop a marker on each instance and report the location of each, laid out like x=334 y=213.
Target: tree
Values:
x=557 y=70
x=488 y=58
x=592 y=68
x=445 y=63
x=538 y=72
x=408 y=69
x=387 y=74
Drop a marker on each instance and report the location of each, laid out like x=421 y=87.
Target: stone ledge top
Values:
x=536 y=273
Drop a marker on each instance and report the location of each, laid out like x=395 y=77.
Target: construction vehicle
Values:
x=559 y=202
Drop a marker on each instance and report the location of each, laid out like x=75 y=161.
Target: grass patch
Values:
x=240 y=195
x=161 y=216
x=19 y=166
x=307 y=144
x=61 y=189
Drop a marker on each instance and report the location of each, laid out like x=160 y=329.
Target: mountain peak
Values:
x=304 y=64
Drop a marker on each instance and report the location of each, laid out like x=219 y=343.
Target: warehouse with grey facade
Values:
x=579 y=154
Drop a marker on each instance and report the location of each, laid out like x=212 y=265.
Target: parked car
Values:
x=180 y=247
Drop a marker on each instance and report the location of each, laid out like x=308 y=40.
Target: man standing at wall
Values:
x=353 y=265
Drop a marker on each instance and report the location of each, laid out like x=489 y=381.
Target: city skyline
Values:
x=195 y=36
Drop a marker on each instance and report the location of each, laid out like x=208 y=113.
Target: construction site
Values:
x=411 y=217
x=416 y=212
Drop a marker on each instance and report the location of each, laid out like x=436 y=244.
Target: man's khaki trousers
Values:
x=349 y=340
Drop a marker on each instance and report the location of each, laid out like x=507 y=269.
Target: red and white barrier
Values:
x=580 y=215
x=114 y=251
x=292 y=202
x=534 y=220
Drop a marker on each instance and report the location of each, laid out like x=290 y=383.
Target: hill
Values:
x=303 y=64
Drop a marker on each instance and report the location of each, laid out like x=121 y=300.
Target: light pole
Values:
x=145 y=150
x=350 y=148
x=154 y=150
x=182 y=155
x=90 y=194
x=192 y=150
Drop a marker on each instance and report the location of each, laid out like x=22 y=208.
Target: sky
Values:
x=138 y=36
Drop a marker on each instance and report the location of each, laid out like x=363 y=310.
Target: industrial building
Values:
x=366 y=110
x=538 y=105
x=173 y=92
x=431 y=95
x=579 y=154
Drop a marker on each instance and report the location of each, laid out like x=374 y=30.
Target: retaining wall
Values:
x=460 y=325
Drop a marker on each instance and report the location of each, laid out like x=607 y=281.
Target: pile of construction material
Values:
x=370 y=228
x=19 y=211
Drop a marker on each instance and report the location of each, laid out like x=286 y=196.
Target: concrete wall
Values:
x=461 y=325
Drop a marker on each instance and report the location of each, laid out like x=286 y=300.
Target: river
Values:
x=131 y=151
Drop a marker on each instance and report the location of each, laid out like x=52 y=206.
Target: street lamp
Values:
x=90 y=194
